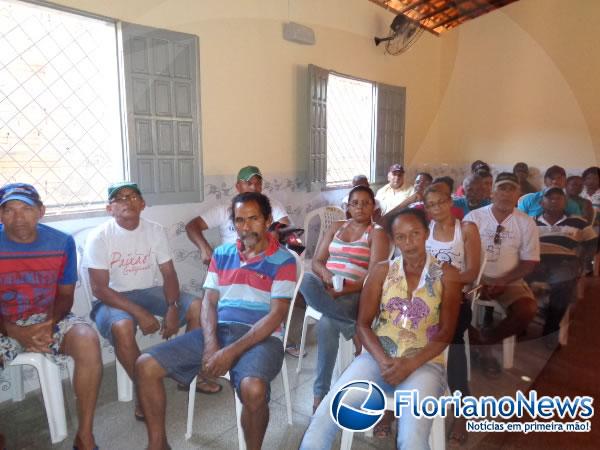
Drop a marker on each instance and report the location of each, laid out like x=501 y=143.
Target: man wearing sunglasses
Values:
x=133 y=279
x=510 y=239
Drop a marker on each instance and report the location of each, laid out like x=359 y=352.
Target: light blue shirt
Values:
x=531 y=204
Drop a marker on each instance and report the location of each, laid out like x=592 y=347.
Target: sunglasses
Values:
x=498 y=236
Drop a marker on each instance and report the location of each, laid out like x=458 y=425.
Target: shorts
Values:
x=151 y=299
x=513 y=292
x=10 y=348
x=181 y=357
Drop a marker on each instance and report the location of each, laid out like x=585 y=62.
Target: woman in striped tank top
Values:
x=348 y=249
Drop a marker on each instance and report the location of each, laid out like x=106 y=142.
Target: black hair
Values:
x=424 y=174
x=483 y=173
x=261 y=200
x=572 y=177
x=435 y=188
x=419 y=214
x=554 y=170
x=361 y=188
x=590 y=170
x=447 y=180
x=478 y=165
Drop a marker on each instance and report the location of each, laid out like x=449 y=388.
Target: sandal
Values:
x=200 y=389
x=294 y=351
x=383 y=429
x=139 y=416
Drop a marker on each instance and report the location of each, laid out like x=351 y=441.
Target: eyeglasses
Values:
x=125 y=198
x=362 y=204
x=498 y=236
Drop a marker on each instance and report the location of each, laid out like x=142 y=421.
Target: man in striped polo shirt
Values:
x=247 y=295
x=562 y=238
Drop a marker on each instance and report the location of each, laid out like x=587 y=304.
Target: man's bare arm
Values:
x=63 y=302
x=195 y=231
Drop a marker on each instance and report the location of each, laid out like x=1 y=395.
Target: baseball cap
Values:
x=114 y=188
x=248 y=172
x=506 y=178
x=23 y=192
x=521 y=167
x=396 y=168
x=553 y=190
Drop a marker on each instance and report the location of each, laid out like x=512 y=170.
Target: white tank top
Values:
x=452 y=252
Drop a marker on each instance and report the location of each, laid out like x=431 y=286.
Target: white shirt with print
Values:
x=519 y=240
x=220 y=216
x=131 y=257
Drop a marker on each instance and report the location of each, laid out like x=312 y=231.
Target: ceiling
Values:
x=438 y=16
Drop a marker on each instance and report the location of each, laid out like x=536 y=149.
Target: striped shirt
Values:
x=565 y=236
x=246 y=287
x=349 y=259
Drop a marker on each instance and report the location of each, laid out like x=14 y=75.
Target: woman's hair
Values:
x=361 y=188
x=437 y=189
x=591 y=170
x=573 y=177
x=419 y=214
x=425 y=175
x=261 y=200
x=448 y=180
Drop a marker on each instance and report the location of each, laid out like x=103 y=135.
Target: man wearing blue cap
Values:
x=249 y=179
x=133 y=279
x=38 y=271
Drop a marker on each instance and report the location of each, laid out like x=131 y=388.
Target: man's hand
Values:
x=171 y=323
x=206 y=254
x=147 y=322
x=33 y=338
x=219 y=363
x=492 y=290
x=398 y=370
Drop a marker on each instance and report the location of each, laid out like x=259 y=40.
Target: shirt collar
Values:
x=541 y=219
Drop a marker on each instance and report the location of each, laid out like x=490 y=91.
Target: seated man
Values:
x=510 y=240
x=124 y=257
x=555 y=176
x=521 y=170
x=38 y=271
x=249 y=179
x=561 y=243
x=392 y=194
x=247 y=295
x=474 y=195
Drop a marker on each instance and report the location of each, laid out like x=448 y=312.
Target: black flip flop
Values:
x=199 y=390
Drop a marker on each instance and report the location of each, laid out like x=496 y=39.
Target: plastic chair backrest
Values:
x=299 y=276
x=327 y=215
x=477 y=283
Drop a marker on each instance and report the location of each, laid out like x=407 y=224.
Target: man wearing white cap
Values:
x=249 y=179
x=510 y=240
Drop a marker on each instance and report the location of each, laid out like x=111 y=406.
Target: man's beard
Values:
x=250 y=239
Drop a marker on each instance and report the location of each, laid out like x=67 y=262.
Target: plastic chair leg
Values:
x=347 y=438
x=124 y=383
x=15 y=374
x=302 y=342
x=191 y=402
x=508 y=352
x=438 y=434
x=238 y=415
x=286 y=391
x=51 y=385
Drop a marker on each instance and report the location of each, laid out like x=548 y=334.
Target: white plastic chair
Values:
x=476 y=286
x=478 y=307
x=51 y=386
x=437 y=436
x=124 y=383
x=327 y=215
x=284 y=373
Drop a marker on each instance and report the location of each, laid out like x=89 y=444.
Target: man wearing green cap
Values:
x=133 y=279
x=249 y=179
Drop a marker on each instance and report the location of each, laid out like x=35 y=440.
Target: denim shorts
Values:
x=151 y=299
x=181 y=357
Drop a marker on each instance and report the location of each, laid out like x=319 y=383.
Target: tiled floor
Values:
x=25 y=426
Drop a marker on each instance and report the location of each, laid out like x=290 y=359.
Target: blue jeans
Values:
x=151 y=299
x=181 y=357
x=339 y=316
x=413 y=433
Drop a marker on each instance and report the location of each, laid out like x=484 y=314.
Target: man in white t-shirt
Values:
x=392 y=194
x=510 y=239
x=133 y=279
x=249 y=179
